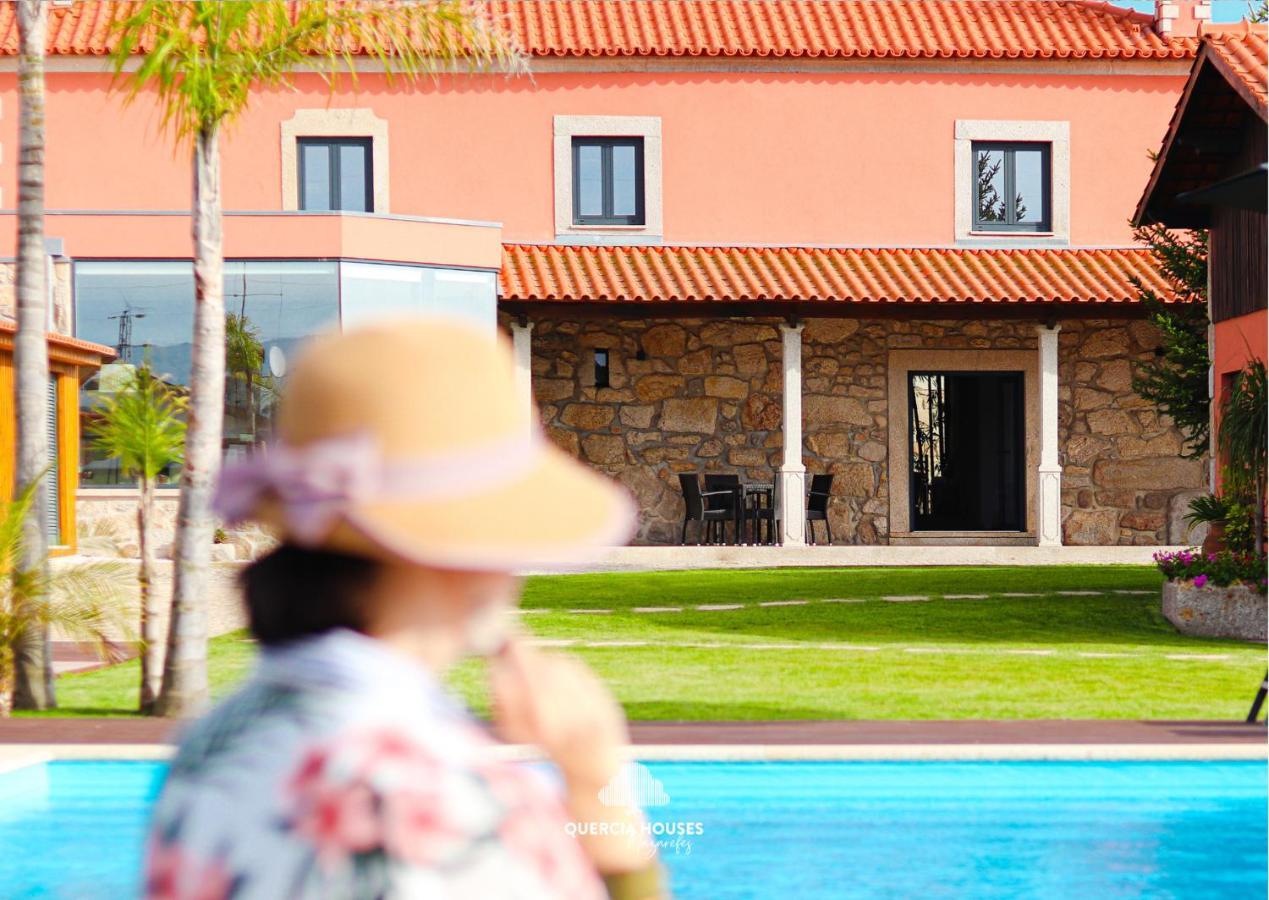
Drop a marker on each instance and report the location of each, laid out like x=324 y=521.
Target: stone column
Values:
x=792 y=488
x=1048 y=496
x=522 y=343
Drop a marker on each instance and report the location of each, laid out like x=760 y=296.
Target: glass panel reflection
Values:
x=352 y=178
x=966 y=451
x=145 y=311
x=990 y=174
x=1028 y=182
x=316 y=167
x=590 y=180
x=624 y=185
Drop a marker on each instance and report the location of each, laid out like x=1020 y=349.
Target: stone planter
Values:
x=1237 y=611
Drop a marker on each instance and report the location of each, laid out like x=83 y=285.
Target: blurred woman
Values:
x=409 y=483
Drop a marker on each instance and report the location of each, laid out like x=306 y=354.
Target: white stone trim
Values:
x=898 y=364
x=522 y=345
x=1048 y=495
x=647 y=127
x=1056 y=133
x=334 y=122
x=792 y=492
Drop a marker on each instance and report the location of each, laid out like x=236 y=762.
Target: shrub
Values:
x=1217 y=569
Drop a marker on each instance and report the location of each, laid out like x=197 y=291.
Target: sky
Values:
x=1222 y=10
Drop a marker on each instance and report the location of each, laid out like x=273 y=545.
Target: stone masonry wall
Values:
x=1123 y=478
x=704 y=395
x=61 y=294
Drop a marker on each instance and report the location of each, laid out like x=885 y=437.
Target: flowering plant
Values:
x=1218 y=569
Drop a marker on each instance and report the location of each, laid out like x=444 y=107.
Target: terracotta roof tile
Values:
x=9 y=328
x=997 y=29
x=1242 y=54
x=643 y=274
x=982 y=29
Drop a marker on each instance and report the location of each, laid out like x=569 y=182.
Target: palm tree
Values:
x=203 y=58
x=86 y=603
x=141 y=426
x=34 y=688
x=1243 y=438
x=244 y=358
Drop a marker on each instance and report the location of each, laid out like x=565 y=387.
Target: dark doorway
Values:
x=966 y=451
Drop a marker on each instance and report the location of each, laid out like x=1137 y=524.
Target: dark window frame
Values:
x=1045 y=225
x=603 y=370
x=606 y=145
x=333 y=167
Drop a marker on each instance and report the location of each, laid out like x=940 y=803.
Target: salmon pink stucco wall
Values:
x=838 y=157
x=1235 y=343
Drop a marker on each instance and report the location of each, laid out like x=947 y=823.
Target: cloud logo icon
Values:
x=634 y=785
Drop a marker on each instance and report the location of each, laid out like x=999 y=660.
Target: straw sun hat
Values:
x=409 y=440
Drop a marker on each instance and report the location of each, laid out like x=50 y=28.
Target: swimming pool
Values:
x=805 y=830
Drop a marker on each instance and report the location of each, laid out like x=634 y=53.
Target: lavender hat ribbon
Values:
x=318 y=482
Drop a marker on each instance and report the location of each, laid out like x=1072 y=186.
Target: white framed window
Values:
x=608 y=176
x=1012 y=183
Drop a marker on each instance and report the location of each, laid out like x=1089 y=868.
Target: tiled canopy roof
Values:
x=965 y=29
x=647 y=274
x=9 y=328
x=1227 y=87
x=1243 y=58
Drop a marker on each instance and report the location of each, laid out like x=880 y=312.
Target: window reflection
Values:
x=145 y=311
x=1011 y=186
x=966 y=451
x=377 y=291
x=1029 y=186
x=990 y=169
x=590 y=180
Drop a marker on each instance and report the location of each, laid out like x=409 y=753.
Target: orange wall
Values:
x=842 y=158
x=1235 y=343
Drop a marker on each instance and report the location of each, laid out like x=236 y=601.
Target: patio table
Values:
x=755 y=496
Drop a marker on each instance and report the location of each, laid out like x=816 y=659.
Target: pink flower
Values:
x=372 y=790
x=339 y=820
x=172 y=875
x=418 y=828
x=541 y=839
x=1200 y=580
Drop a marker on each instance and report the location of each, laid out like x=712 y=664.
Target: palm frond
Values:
x=140 y=425
x=204 y=57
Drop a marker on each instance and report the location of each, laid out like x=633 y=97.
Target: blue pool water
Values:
x=795 y=830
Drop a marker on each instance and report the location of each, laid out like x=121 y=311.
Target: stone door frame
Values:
x=899 y=364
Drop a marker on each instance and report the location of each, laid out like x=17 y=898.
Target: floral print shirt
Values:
x=343 y=769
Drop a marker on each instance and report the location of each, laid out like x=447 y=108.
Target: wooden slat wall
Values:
x=68 y=454
x=1238 y=244
x=67 y=442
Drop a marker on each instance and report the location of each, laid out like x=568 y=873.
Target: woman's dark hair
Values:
x=294 y=592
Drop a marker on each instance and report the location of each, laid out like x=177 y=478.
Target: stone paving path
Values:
x=859 y=648
x=869 y=648
x=769 y=604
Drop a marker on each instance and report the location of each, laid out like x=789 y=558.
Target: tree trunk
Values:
x=151 y=640
x=6 y=684
x=184 y=691
x=34 y=676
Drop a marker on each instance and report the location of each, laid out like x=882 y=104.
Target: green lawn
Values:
x=1105 y=655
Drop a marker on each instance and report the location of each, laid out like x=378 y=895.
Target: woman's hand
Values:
x=558 y=704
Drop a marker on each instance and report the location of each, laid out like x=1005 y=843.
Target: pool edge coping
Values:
x=20 y=756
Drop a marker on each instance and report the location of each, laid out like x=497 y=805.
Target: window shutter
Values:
x=52 y=519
